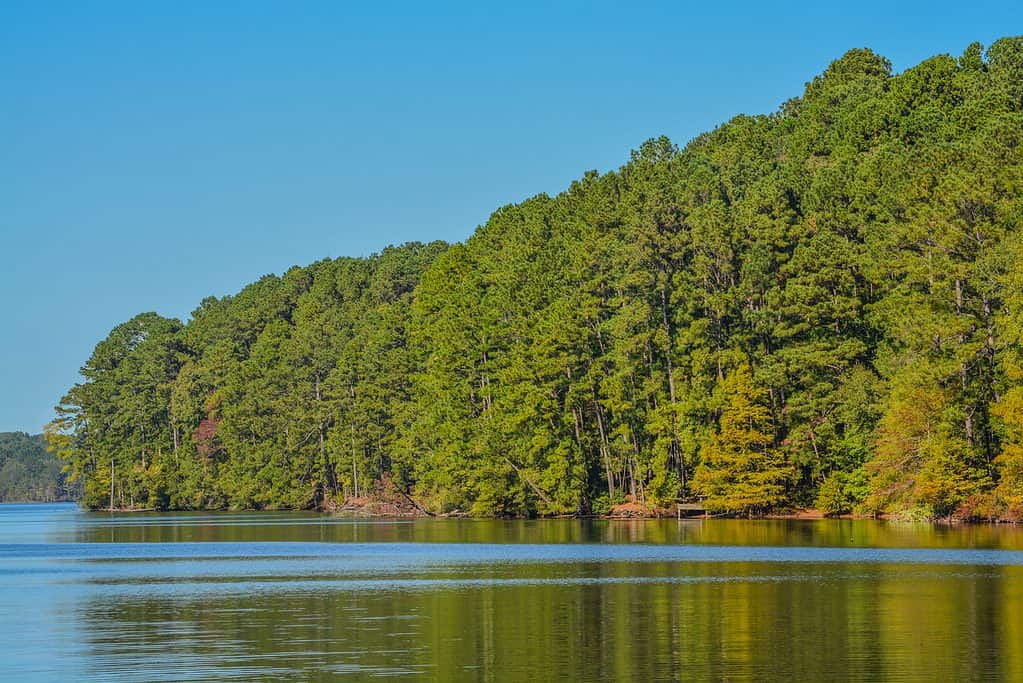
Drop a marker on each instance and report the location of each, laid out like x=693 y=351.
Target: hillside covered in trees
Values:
x=29 y=473
x=822 y=306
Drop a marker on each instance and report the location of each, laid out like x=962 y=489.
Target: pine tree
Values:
x=741 y=471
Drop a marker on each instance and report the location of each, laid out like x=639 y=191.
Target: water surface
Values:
x=302 y=596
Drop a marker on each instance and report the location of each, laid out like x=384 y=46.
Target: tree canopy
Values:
x=817 y=306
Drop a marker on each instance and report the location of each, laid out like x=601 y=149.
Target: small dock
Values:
x=690 y=510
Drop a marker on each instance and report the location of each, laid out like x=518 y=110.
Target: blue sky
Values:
x=153 y=153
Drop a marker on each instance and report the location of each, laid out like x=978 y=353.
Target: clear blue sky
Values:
x=153 y=153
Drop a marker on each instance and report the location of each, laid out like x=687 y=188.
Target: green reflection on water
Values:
x=310 y=527
x=357 y=616
x=880 y=623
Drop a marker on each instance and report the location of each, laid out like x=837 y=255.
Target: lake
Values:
x=311 y=597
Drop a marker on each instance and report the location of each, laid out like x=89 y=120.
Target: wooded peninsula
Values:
x=28 y=473
x=818 y=307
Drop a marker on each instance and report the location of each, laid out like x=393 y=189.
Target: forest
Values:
x=820 y=307
x=29 y=473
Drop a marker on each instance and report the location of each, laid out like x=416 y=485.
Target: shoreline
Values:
x=388 y=509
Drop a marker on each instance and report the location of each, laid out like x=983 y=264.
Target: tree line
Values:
x=822 y=306
x=28 y=473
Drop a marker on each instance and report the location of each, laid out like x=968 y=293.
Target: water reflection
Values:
x=307 y=597
x=884 y=625
x=249 y=527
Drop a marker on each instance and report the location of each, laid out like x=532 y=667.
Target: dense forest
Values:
x=817 y=307
x=29 y=473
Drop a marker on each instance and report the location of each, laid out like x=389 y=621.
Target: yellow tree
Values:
x=1008 y=495
x=1009 y=463
x=740 y=470
x=921 y=465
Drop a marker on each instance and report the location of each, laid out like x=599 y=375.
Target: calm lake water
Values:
x=300 y=596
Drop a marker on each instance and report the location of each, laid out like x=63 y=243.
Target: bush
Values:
x=833 y=497
x=603 y=504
